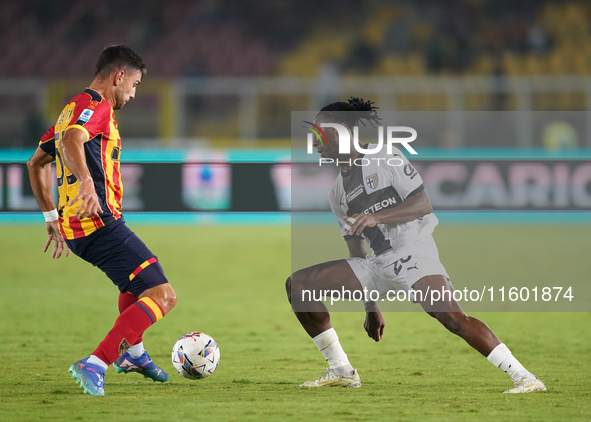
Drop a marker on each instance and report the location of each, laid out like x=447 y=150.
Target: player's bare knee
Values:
x=288 y=288
x=163 y=294
x=297 y=281
x=169 y=299
x=172 y=301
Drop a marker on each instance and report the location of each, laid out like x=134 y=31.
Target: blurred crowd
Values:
x=41 y=38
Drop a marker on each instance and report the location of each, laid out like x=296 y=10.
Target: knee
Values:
x=168 y=300
x=295 y=283
x=288 y=288
x=171 y=301
x=164 y=295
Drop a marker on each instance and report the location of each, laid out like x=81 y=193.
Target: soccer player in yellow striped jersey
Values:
x=94 y=117
x=86 y=145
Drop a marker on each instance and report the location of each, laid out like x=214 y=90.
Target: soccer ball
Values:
x=195 y=355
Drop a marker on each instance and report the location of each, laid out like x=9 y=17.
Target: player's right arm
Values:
x=355 y=246
x=374 y=319
x=39 y=166
x=72 y=148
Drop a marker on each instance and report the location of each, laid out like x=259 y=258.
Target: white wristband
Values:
x=50 y=216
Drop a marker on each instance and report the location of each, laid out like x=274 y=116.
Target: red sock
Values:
x=125 y=301
x=128 y=328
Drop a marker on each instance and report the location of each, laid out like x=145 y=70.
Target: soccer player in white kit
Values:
x=387 y=206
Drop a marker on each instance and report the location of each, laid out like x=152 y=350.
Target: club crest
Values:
x=372 y=181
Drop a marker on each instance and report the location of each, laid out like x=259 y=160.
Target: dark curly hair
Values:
x=362 y=110
x=117 y=57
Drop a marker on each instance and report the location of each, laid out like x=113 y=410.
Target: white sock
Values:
x=96 y=361
x=136 y=350
x=501 y=357
x=328 y=344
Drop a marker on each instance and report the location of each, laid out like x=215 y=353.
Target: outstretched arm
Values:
x=415 y=206
x=39 y=166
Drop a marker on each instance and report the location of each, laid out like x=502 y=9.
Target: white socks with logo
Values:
x=501 y=357
x=328 y=343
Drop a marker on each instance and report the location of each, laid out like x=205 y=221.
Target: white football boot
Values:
x=527 y=384
x=330 y=379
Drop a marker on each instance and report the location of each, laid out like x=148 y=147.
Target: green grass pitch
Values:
x=230 y=284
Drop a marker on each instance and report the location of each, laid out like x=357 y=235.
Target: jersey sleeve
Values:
x=47 y=142
x=405 y=178
x=91 y=117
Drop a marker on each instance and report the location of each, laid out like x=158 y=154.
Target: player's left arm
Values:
x=415 y=206
x=374 y=321
x=39 y=166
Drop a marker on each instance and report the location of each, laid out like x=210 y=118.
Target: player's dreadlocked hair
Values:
x=117 y=57
x=364 y=110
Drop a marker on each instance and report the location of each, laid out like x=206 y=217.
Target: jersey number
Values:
x=62 y=122
x=398 y=264
x=410 y=171
x=70 y=178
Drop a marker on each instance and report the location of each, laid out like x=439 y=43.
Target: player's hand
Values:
x=90 y=203
x=374 y=324
x=55 y=236
x=358 y=222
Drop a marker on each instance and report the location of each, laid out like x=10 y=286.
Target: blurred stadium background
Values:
x=223 y=77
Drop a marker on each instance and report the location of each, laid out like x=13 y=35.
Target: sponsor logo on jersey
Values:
x=386 y=203
x=86 y=115
x=355 y=193
x=372 y=181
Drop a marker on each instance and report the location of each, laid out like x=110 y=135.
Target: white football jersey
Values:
x=374 y=186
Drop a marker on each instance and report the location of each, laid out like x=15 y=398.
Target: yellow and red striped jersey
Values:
x=93 y=115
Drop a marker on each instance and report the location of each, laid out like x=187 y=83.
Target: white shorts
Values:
x=399 y=269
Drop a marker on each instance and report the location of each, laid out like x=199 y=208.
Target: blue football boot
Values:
x=144 y=365
x=90 y=376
